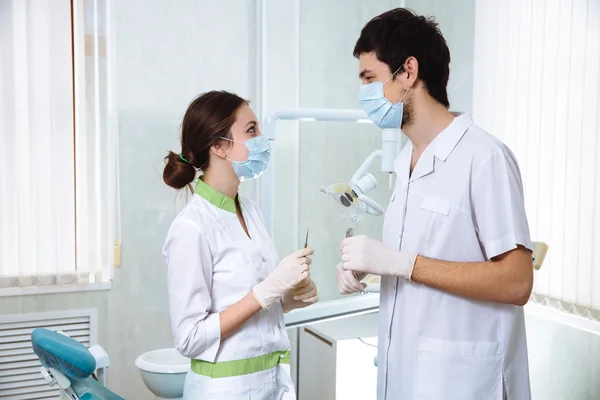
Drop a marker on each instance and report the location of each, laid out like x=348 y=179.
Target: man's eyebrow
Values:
x=364 y=72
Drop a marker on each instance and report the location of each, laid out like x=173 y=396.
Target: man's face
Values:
x=372 y=70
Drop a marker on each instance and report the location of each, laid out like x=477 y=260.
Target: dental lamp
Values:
x=353 y=195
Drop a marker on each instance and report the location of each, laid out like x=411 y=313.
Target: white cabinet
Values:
x=333 y=363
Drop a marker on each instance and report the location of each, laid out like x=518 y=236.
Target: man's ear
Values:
x=411 y=67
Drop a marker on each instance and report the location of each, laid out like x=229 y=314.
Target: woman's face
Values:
x=244 y=128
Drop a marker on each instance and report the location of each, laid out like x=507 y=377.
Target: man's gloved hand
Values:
x=365 y=255
x=348 y=282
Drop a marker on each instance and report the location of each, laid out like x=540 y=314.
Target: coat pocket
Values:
x=452 y=370
x=438 y=205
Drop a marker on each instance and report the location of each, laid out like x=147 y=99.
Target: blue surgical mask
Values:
x=382 y=112
x=259 y=155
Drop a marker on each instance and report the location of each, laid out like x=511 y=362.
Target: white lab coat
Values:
x=212 y=264
x=463 y=202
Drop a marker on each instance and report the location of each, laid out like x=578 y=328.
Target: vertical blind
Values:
x=58 y=208
x=37 y=196
x=96 y=140
x=537 y=88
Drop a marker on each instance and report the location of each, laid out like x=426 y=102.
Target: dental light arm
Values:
x=363 y=182
x=388 y=152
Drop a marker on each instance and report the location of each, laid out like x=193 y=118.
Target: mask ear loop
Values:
x=232 y=141
x=226 y=158
x=391 y=76
x=384 y=82
x=405 y=93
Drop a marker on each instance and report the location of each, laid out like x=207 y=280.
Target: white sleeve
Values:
x=498 y=206
x=197 y=332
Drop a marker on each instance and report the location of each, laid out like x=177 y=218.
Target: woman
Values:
x=227 y=290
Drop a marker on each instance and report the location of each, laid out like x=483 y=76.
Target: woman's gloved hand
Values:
x=306 y=291
x=287 y=275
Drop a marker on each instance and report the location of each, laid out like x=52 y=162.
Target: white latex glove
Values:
x=288 y=274
x=362 y=254
x=306 y=291
x=348 y=281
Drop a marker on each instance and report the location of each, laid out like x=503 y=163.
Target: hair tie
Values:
x=183 y=159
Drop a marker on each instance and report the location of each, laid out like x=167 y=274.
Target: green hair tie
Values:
x=183 y=159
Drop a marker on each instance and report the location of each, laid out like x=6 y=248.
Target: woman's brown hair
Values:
x=208 y=118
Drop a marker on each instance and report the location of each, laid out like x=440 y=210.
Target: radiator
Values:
x=20 y=377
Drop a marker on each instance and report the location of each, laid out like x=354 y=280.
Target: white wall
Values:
x=167 y=54
x=563 y=360
x=456 y=21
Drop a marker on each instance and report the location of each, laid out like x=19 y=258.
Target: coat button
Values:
x=281 y=356
x=279 y=326
x=264 y=259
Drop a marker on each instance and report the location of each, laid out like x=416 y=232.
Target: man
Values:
x=455 y=260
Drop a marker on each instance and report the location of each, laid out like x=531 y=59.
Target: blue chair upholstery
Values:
x=90 y=389
x=74 y=360
x=63 y=353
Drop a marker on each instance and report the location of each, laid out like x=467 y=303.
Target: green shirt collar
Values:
x=215 y=198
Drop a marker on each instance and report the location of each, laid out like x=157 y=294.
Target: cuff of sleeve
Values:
x=494 y=248
x=257 y=295
x=285 y=306
x=212 y=326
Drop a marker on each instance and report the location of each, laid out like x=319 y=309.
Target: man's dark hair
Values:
x=398 y=34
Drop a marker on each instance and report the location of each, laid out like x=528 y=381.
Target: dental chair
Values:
x=70 y=365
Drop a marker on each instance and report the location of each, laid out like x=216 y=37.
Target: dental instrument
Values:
x=296 y=292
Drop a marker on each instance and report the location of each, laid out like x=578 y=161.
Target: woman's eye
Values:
x=251 y=130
